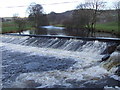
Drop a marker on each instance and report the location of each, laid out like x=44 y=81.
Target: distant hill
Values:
x=58 y=18
x=106 y=16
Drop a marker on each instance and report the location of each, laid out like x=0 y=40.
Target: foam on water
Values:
x=86 y=68
x=57 y=77
x=85 y=56
x=72 y=44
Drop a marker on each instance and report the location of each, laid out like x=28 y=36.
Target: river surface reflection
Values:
x=61 y=31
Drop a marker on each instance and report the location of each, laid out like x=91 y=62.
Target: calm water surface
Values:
x=61 y=31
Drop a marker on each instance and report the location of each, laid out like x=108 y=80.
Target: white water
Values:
x=86 y=68
x=84 y=59
x=53 y=27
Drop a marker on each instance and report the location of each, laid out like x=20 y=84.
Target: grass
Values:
x=10 y=27
x=108 y=27
x=111 y=27
x=59 y=25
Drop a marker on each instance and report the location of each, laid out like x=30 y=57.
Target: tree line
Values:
x=36 y=17
x=84 y=17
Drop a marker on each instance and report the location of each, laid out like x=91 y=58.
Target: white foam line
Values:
x=85 y=57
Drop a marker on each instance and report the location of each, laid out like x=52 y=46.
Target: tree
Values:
x=90 y=10
x=36 y=15
x=68 y=23
x=117 y=7
x=52 y=18
x=81 y=18
x=20 y=22
x=85 y=16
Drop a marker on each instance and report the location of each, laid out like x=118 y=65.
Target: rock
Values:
x=113 y=61
x=105 y=57
x=110 y=49
x=118 y=48
x=118 y=71
x=106 y=81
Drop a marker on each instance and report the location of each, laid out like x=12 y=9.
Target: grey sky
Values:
x=8 y=7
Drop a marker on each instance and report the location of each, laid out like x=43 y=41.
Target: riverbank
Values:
x=11 y=27
x=110 y=27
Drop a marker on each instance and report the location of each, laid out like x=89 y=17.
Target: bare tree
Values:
x=117 y=7
x=35 y=10
x=36 y=15
x=20 y=22
x=92 y=10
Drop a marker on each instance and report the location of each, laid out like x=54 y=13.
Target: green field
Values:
x=108 y=27
x=112 y=27
x=9 y=27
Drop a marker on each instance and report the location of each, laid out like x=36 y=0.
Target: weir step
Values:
x=106 y=39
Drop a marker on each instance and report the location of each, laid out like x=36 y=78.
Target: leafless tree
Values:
x=36 y=15
x=35 y=10
x=92 y=10
x=117 y=7
x=20 y=22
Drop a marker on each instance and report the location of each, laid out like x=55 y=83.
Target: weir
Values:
x=58 y=43
x=52 y=61
x=71 y=37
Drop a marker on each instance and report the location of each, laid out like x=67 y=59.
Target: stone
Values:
x=113 y=61
x=118 y=48
x=118 y=71
x=110 y=49
x=105 y=57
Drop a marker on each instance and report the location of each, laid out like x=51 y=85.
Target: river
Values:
x=61 y=31
x=40 y=62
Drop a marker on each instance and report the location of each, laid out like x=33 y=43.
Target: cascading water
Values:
x=53 y=62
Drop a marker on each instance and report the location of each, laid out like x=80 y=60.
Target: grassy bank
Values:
x=59 y=25
x=111 y=27
x=10 y=27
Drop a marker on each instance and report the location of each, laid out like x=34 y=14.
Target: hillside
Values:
x=58 y=18
x=104 y=17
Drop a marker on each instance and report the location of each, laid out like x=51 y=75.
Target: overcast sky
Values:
x=10 y=7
